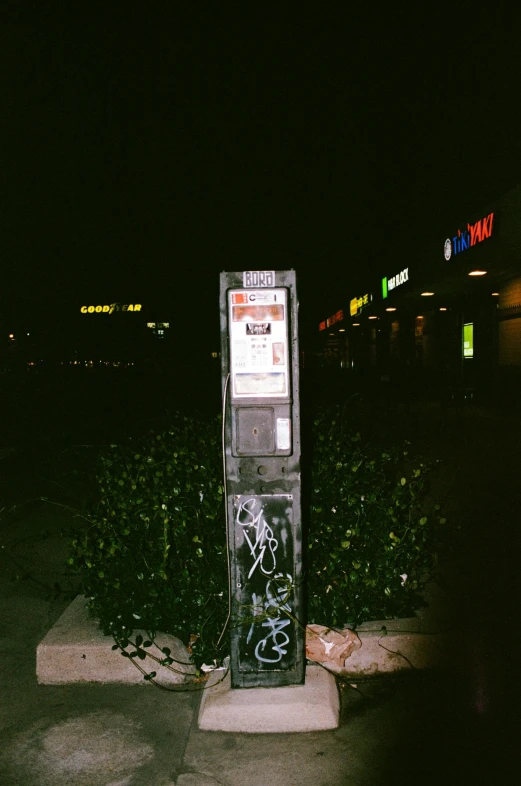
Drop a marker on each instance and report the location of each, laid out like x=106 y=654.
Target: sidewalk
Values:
x=421 y=727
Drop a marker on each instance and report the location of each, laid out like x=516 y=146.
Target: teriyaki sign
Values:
x=471 y=236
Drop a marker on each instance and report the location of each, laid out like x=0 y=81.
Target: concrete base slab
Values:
x=314 y=706
x=434 y=639
x=401 y=646
x=75 y=650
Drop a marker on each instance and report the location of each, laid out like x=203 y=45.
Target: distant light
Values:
x=356 y=324
x=11 y=335
x=427 y=294
x=495 y=294
x=372 y=317
x=28 y=334
x=419 y=317
x=391 y=309
x=478 y=273
x=342 y=330
x=331 y=334
x=443 y=309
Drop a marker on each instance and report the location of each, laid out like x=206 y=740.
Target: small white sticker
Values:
x=283 y=434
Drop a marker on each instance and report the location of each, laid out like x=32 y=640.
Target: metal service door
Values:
x=259 y=349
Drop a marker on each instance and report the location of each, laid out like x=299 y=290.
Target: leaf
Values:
x=139 y=640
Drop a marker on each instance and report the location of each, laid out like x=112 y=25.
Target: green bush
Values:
x=153 y=555
x=372 y=544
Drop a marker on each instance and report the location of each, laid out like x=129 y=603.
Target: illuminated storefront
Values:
x=450 y=316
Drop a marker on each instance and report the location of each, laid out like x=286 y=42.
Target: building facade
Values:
x=445 y=317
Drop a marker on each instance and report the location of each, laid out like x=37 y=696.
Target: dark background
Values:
x=142 y=150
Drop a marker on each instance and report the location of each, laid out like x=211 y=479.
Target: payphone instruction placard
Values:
x=259 y=360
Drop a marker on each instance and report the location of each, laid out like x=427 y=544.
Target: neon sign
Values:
x=388 y=284
x=357 y=303
x=110 y=309
x=468 y=340
x=473 y=234
x=338 y=317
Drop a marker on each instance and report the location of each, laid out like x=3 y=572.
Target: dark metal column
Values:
x=260 y=373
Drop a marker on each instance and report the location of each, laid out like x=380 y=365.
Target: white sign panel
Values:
x=259 y=353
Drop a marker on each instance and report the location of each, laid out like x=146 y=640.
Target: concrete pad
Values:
x=402 y=650
x=76 y=650
x=314 y=706
x=93 y=735
x=397 y=645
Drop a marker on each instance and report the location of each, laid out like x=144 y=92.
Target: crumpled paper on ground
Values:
x=324 y=645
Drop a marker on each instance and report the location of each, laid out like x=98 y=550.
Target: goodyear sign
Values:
x=110 y=309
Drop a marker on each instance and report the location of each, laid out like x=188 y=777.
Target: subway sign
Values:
x=471 y=236
x=110 y=309
x=388 y=284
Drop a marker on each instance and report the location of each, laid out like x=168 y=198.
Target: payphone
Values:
x=261 y=445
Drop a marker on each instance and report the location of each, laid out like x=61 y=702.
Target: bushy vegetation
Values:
x=153 y=555
x=372 y=541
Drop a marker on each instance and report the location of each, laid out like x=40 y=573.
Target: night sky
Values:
x=143 y=152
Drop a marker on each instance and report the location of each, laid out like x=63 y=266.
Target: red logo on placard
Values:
x=239 y=297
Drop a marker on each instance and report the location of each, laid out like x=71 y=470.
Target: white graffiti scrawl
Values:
x=263 y=540
x=276 y=639
x=271 y=609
